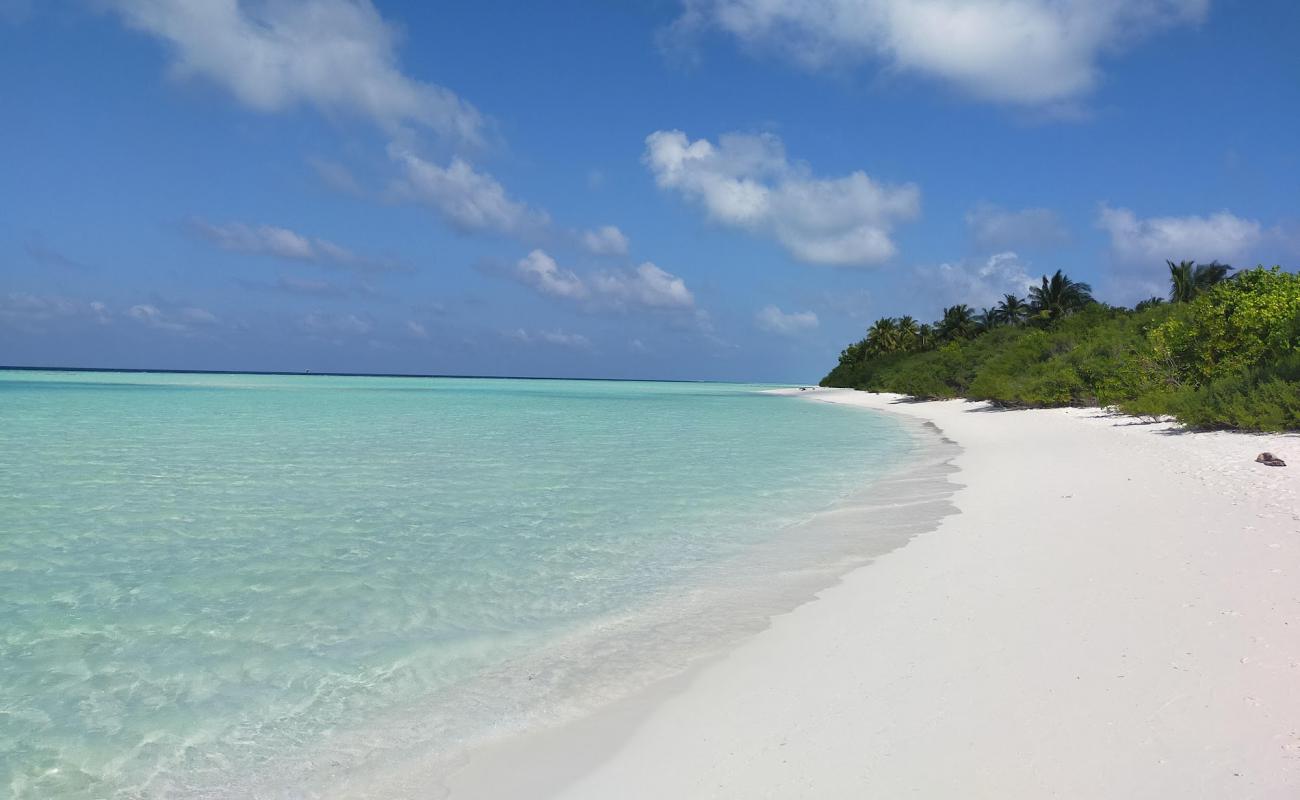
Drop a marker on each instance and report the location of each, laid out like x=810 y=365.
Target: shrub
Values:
x=1228 y=358
x=1232 y=327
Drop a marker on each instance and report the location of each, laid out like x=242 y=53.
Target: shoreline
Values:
x=1108 y=615
x=621 y=666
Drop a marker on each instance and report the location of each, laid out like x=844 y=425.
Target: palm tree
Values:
x=987 y=319
x=1012 y=310
x=1209 y=274
x=958 y=323
x=907 y=332
x=1150 y=302
x=882 y=336
x=1187 y=279
x=1059 y=296
x=1182 y=284
x=925 y=336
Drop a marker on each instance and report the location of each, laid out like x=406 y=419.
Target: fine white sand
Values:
x=1114 y=613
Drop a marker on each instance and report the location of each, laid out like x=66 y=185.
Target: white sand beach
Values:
x=1114 y=613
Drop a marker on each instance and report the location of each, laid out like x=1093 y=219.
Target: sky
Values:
x=693 y=189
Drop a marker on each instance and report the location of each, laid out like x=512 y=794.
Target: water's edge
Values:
x=549 y=752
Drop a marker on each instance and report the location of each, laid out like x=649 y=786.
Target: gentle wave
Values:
x=274 y=584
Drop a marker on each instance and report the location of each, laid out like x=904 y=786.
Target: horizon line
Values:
x=310 y=373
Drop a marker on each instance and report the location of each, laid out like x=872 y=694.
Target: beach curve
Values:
x=1109 y=615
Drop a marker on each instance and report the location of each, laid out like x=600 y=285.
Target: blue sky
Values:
x=708 y=189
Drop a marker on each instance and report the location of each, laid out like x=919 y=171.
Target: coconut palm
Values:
x=1182 y=283
x=882 y=336
x=1187 y=279
x=925 y=336
x=957 y=323
x=1150 y=302
x=1209 y=274
x=1059 y=296
x=987 y=319
x=1012 y=310
x=907 y=332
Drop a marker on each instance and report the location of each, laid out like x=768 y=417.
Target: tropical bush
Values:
x=1225 y=353
x=1232 y=327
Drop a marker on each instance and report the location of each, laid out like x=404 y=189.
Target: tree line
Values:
x=1056 y=297
x=1221 y=350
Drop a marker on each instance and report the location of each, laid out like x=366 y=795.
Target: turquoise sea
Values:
x=251 y=585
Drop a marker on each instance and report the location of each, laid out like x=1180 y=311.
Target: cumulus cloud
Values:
x=269 y=240
x=646 y=286
x=557 y=338
x=643 y=287
x=605 y=241
x=467 y=199
x=1022 y=52
x=994 y=228
x=976 y=284
x=416 y=330
x=1221 y=236
x=540 y=271
x=745 y=181
x=774 y=320
x=338 y=56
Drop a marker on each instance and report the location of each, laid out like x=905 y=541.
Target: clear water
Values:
x=205 y=577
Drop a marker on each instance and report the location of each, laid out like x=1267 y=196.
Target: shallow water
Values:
x=205 y=577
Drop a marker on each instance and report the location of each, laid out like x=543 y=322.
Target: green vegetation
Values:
x=1224 y=352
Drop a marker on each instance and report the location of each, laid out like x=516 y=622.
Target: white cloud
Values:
x=1220 y=236
x=262 y=240
x=605 y=241
x=416 y=330
x=977 y=285
x=269 y=240
x=746 y=182
x=1025 y=52
x=539 y=270
x=645 y=286
x=182 y=320
x=29 y=312
x=558 y=338
x=338 y=56
x=774 y=320
x=995 y=228
x=468 y=200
